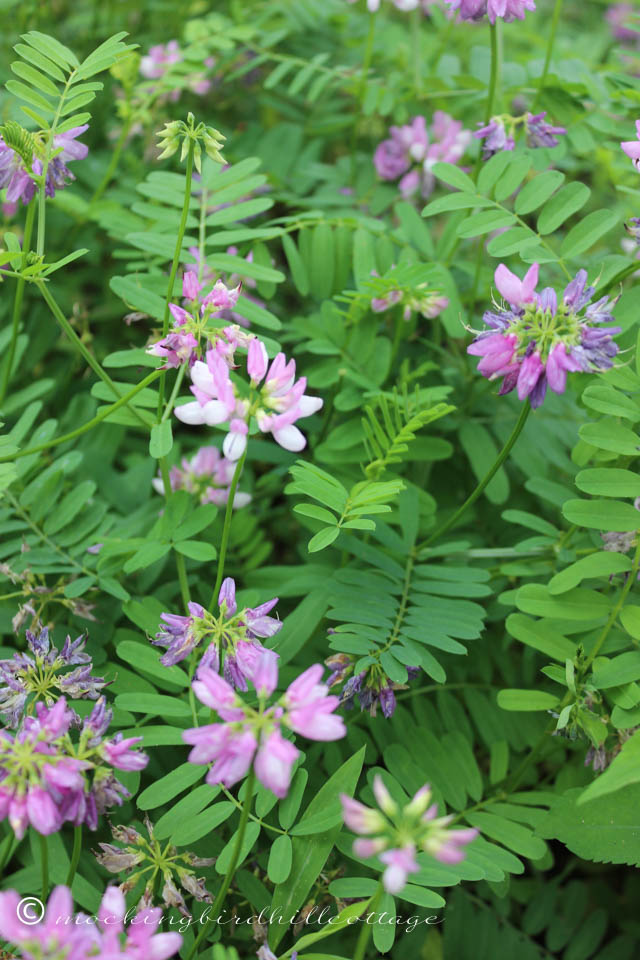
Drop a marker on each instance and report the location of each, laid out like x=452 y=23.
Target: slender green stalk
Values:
x=471 y=499
x=18 y=300
x=42 y=193
x=416 y=28
x=362 y=89
x=365 y=932
x=495 y=71
x=174 y=393
x=555 y=19
x=99 y=417
x=75 y=854
x=87 y=355
x=176 y=260
x=44 y=863
x=226 y=530
x=113 y=163
x=226 y=883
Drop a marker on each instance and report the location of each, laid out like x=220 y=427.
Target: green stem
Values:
x=99 y=417
x=495 y=72
x=75 y=854
x=113 y=163
x=555 y=19
x=365 y=933
x=362 y=89
x=42 y=193
x=176 y=260
x=226 y=530
x=471 y=499
x=18 y=300
x=75 y=339
x=415 y=27
x=44 y=863
x=174 y=393
x=226 y=883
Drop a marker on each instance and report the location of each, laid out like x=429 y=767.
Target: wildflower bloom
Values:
x=17 y=171
x=428 y=303
x=40 y=672
x=149 y=860
x=233 y=637
x=411 y=151
x=632 y=148
x=618 y=16
x=249 y=736
x=633 y=229
x=371 y=687
x=535 y=339
x=506 y=10
x=57 y=935
x=181 y=343
x=396 y=835
x=208 y=474
x=500 y=133
x=276 y=399
x=46 y=779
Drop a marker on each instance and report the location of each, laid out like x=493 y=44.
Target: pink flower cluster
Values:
x=208 y=475
x=250 y=736
x=276 y=405
x=19 y=180
x=181 y=343
x=61 y=933
x=47 y=780
x=506 y=10
x=411 y=151
x=537 y=338
x=396 y=835
x=162 y=57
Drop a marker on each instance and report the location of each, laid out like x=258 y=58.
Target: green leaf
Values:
x=310 y=854
x=630 y=619
x=161 y=439
x=608 y=435
x=606 y=399
x=296 y=265
x=169 y=786
x=563 y=205
x=624 y=668
x=526 y=700
x=588 y=232
x=344 y=920
x=623 y=771
x=322 y=539
x=454 y=176
x=610 y=515
x=485 y=222
x=280 y=856
x=577 y=604
x=601 y=564
x=154 y=704
x=147 y=659
x=609 y=482
x=196 y=550
x=537 y=191
x=454 y=201
x=202 y=824
x=516 y=837
x=604 y=830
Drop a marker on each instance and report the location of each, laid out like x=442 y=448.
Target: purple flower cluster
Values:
x=500 y=133
x=233 y=637
x=618 y=16
x=46 y=779
x=506 y=10
x=371 y=688
x=39 y=673
x=208 y=474
x=535 y=339
x=277 y=403
x=61 y=934
x=249 y=736
x=18 y=177
x=157 y=63
x=411 y=151
x=395 y=835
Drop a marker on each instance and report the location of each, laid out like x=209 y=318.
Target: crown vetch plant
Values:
x=371 y=689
